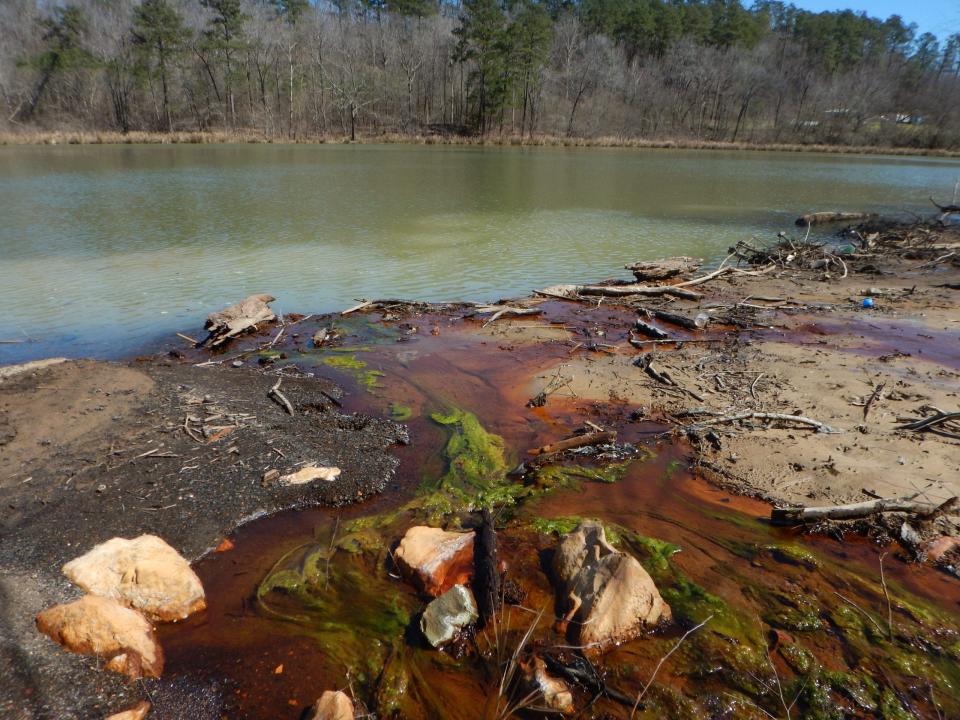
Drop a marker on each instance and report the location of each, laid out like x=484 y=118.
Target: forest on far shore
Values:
x=706 y=70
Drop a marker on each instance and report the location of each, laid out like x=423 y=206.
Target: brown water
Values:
x=279 y=653
x=103 y=248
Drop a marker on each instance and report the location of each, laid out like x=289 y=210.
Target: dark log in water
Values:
x=486 y=579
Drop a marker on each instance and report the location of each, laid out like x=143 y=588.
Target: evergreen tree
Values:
x=63 y=35
x=158 y=33
x=226 y=36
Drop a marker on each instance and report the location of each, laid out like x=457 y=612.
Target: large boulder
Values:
x=144 y=573
x=332 y=705
x=103 y=627
x=435 y=560
x=448 y=614
x=608 y=596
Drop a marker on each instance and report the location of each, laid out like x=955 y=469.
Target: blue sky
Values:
x=941 y=17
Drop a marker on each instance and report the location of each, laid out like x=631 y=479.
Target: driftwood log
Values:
x=226 y=324
x=651 y=331
x=664 y=268
x=821 y=218
x=596 y=438
x=486 y=578
x=855 y=511
x=573 y=292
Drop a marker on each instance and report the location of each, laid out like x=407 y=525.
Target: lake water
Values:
x=103 y=249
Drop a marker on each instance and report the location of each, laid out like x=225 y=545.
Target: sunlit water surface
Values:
x=104 y=249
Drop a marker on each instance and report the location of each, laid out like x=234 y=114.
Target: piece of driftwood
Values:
x=645 y=363
x=574 y=292
x=384 y=303
x=486 y=578
x=946 y=209
x=663 y=268
x=651 y=330
x=226 y=324
x=596 y=438
x=498 y=311
x=320 y=337
x=821 y=218
x=855 y=511
x=675 y=319
x=279 y=397
x=782 y=417
x=929 y=424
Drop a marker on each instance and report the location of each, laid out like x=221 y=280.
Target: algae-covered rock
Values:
x=475 y=458
x=448 y=614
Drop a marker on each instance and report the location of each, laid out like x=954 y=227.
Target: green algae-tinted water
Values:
x=104 y=247
x=315 y=592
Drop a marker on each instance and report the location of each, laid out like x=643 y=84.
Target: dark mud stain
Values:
x=880 y=338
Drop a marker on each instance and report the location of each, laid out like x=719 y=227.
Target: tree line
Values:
x=686 y=69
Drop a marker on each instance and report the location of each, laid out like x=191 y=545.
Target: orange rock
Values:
x=103 y=627
x=940 y=546
x=137 y=712
x=225 y=546
x=435 y=560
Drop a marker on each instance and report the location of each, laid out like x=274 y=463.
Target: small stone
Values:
x=103 y=627
x=237 y=363
x=137 y=712
x=556 y=693
x=435 y=560
x=309 y=474
x=448 y=614
x=144 y=573
x=332 y=705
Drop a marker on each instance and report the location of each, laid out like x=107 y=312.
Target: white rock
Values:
x=144 y=573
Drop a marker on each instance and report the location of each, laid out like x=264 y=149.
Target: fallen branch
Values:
x=573 y=292
x=597 y=438
x=651 y=331
x=928 y=423
x=751 y=415
x=275 y=393
x=645 y=363
x=855 y=511
x=820 y=218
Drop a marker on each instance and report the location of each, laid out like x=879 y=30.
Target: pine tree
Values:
x=158 y=33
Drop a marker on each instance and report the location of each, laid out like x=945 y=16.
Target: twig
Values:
x=188 y=339
x=886 y=594
x=663 y=660
x=857 y=607
x=821 y=427
x=874 y=397
x=275 y=393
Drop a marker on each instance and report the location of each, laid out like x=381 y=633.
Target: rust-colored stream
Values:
x=275 y=668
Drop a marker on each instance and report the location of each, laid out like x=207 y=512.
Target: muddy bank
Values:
x=95 y=450
x=307 y=601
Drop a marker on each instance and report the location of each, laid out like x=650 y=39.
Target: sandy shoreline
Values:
x=108 y=137
x=98 y=449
